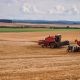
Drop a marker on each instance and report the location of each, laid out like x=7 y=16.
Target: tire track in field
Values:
x=41 y=56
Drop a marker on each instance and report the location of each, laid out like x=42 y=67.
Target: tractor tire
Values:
x=53 y=45
x=70 y=48
x=43 y=46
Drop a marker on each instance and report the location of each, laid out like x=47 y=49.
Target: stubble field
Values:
x=21 y=58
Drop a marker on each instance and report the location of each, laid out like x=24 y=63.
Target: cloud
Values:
x=37 y=11
x=59 y=9
x=40 y=9
x=54 y=10
x=74 y=10
x=65 y=10
x=8 y=1
x=26 y=8
x=32 y=9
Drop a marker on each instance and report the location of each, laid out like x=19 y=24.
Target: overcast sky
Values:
x=40 y=9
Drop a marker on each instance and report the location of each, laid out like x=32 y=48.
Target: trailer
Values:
x=71 y=48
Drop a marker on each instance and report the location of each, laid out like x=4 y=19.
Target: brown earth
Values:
x=22 y=59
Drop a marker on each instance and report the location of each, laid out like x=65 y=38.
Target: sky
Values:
x=40 y=9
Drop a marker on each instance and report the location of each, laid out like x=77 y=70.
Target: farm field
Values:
x=21 y=58
x=34 y=29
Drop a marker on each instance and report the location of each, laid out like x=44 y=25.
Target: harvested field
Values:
x=22 y=59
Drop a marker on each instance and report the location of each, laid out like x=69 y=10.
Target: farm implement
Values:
x=53 y=42
x=74 y=48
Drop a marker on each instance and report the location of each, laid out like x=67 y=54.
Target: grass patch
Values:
x=33 y=29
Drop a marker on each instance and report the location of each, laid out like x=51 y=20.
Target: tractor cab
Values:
x=58 y=38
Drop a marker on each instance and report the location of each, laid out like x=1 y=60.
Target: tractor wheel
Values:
x=43 y=46
x=53 y=45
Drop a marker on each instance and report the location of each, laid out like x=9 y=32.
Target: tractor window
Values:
x=57 y=38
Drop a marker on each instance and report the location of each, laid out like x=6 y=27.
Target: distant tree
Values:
x=67 y=26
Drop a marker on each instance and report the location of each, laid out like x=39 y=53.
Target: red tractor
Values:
x=53 y=42
x=74 y=48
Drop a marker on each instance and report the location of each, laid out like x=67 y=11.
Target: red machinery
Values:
x=53 y=42
x=78 y=42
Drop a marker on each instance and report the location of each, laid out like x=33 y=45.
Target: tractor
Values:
x=53 y=42
x=74 y=48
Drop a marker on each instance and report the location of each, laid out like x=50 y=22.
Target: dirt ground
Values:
x=21 y=58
